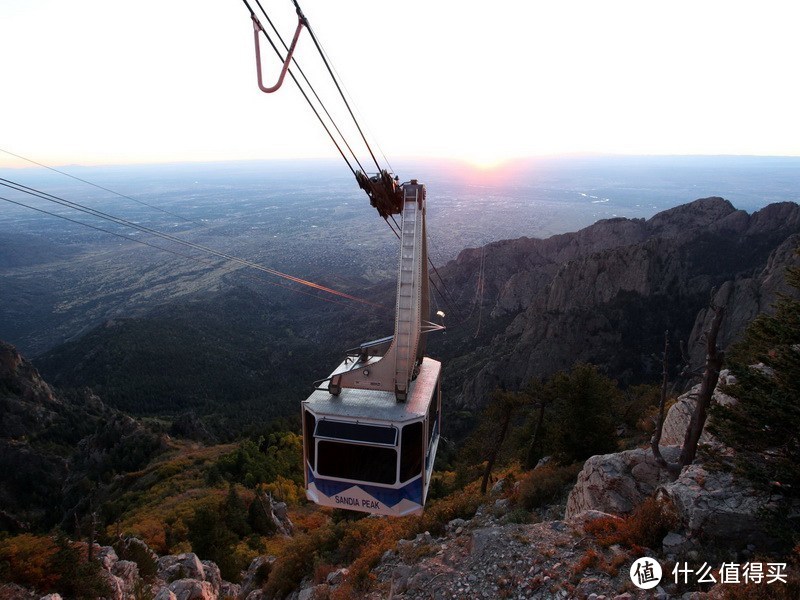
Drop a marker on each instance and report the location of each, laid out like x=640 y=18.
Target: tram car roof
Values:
x=375 y=405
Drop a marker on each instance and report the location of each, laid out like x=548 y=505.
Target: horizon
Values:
x=28 y=163
x=536 y=198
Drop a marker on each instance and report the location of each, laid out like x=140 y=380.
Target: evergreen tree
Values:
x=486 y=442
x=497 y=419
x=257 y=517
x=235 y=513
x=764 y=425
x=211 y=539
x=77 y=577
x=538 y=398
x=583 y=423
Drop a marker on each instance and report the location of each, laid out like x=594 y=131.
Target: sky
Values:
x=110 y=82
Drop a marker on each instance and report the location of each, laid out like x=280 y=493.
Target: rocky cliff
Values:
x=51 y=447
x=28 y=409
x=607 y=293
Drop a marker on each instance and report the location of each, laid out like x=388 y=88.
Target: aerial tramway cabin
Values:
x=365 y=451
x=370 y=436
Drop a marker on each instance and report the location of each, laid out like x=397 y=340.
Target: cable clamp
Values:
x=258 y=28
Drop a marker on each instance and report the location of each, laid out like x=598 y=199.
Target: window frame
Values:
x=394 y=449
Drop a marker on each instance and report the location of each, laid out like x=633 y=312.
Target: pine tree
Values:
x=235 y=513
x=497 y=417
x=211 y=539
x=257 y=517
x=77 y=577
x=764 y=425
x=583 y=423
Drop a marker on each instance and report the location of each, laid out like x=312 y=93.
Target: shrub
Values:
x=458 y=505
x=519 y=515
x=77 y=577
x=286 y=490
x=589 y=559
x=50 y=565
x=321 y=572
x=25 y=560
x=298 y=560
x=644 y=527
x=545 y=485
x=649 y=523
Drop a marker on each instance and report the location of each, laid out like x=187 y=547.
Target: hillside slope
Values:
x=53 y=449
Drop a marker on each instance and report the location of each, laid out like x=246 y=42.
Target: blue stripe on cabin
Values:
x=388 y=496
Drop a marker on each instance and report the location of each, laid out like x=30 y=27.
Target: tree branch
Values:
x=673 y=468
x=714 y=360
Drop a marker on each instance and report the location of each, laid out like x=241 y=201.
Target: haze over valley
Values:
x=309 y=219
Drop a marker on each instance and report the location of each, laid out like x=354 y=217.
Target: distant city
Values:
x=310 y=219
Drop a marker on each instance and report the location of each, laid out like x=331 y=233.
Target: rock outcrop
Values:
x=255 y=575
x=710 y=504
x=189 y=589
x=181 y=566
x=714 y=505
x=29 y=410
x=177 y=577
x=746 y=297
x=618 y=483
x=680 y=413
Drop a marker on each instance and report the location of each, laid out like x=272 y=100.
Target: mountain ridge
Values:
x=528 y=308
x=613 y=288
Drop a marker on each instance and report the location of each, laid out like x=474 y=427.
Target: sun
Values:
x=485 y=162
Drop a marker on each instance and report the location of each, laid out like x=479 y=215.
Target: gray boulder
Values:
x=581 y=519
x=128 y=572
x=212 y=575
x=192 y=589
x=617 y=483
x=677 y=420
x=714 y=505
x=181 y=566
x=255 y=574
x=165 y=594
x=115 y=585
x=336 y=577
x=107 y=557
x=229 y=590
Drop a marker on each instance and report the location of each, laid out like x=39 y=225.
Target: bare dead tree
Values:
x=504 y=405
x=714 y=360
x=541 y=404
x=92 y=533
x=713 y=366
x=656 y=439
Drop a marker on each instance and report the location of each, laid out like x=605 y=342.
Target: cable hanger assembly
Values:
x=258 y=28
